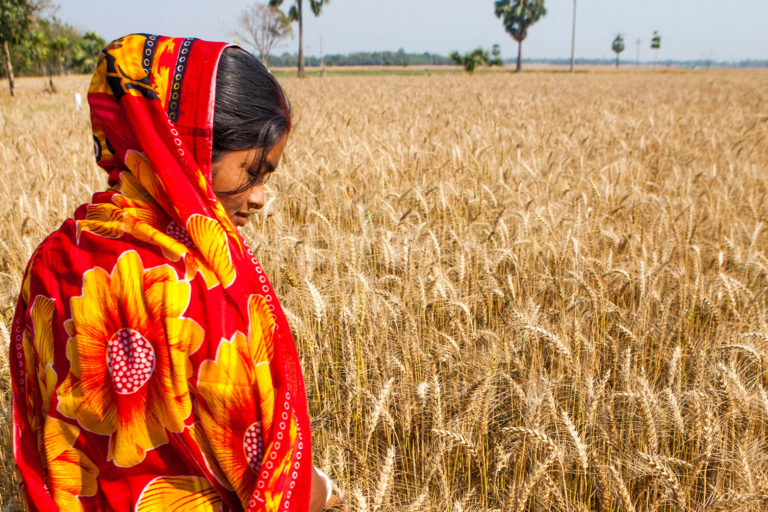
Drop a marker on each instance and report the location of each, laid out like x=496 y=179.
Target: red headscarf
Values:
x=153 y=368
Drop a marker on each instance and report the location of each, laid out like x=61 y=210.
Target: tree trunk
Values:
x=49 y=72
x=9 y=66
x=519 y=56
x=617 y=61
x=301 y=40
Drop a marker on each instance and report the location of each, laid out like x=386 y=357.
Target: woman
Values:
x=154 y=368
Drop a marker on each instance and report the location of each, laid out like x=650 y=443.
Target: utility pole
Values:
x=573 y=36
x=638 y=42
x=322 y=57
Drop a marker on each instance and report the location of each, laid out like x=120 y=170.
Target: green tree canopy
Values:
x=50 y=47
x=295 y=13
x=85 y=54
x=518 y=16
x=471 y=60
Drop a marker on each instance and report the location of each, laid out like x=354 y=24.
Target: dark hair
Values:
x=250 y=110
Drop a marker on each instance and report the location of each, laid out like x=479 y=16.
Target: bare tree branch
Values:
x=263 y=27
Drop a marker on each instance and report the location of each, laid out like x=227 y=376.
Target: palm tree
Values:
x=295 y=13
x=618 y=47
x=517 y=16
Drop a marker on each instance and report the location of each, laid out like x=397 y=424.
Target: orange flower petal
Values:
x=179 y=494
x=127 y=285
x=166 y=296
x=71 y=473
x=131 y=188
x=136 y=433
x=145 y=175
x=42 y=314
x=210 y=458
x=211 y=240
x=261 y=329
x=102 y=219
x=195 y=264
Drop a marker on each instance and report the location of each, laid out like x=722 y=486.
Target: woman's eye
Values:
x=260 y=176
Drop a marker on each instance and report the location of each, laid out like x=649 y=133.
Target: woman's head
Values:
x=251 y=122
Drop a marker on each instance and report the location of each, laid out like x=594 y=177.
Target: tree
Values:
x=263 y=27
x=517 y=16
x=618 y=47
x=496 y=52
x=15 y=16
x=295 y=13
x=471 y=60
x=85 y=54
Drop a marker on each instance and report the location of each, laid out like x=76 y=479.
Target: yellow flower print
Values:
x=70 y=472
x=37 y=346
x=211 y=239
x=128 y=50
x=236 y=399
x=140 y=219
x=130 y=187
x=179 y=494
x=201 y=441
x=130 y=319
x=146 y=176
x=40 y=341
x=99 y=81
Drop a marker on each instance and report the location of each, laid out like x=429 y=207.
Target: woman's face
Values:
x=237 y=167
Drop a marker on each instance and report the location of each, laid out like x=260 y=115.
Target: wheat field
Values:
x=519 y=293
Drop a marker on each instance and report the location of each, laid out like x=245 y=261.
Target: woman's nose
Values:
x=256 y=197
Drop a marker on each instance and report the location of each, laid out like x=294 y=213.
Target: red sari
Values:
x=152 y=365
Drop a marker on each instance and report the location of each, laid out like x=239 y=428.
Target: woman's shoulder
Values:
x=74 y=249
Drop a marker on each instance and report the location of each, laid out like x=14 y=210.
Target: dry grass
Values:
x=536 y=292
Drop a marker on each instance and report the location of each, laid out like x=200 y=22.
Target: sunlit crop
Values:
x=516 y=292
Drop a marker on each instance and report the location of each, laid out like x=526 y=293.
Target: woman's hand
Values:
x=321 y=496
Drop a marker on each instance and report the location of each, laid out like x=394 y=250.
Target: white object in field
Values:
x=78 y=101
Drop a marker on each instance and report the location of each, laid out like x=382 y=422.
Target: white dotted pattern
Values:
x=251 y=448
x=130 y=359
x=253 y=445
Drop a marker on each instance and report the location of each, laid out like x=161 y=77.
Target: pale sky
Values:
x=690 y=29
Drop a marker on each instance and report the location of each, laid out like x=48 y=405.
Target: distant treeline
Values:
x=688 y=64
x=388 y=58
x=401 y=58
